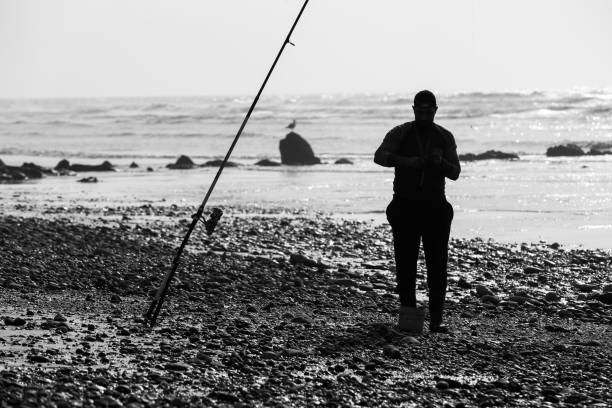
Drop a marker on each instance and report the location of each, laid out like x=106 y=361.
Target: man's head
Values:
x=424 y=106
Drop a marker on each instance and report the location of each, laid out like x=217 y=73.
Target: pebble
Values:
x=494 y=300
x=302 y=319
x=14 y=321
x=532 y=270
x=482 y=290
x=606 y=298
x=552 y=297
x=442 y=385
x=391 y=351
x=176 y=366
x=59 y=318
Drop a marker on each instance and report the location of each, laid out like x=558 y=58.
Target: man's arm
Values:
x=450 y=164
x=447 y=161
x=386 y=154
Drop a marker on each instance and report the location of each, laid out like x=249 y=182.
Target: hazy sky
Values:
x=61 y=48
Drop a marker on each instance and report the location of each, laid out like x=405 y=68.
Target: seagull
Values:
x=291 y=125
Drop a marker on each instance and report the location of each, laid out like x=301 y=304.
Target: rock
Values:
x=482 y=290
x=564 y=150
x=31 y=170
x=182 y=163
x=268 y=163
x=90 y=179
x=65 y=165
x=133 y=165
x=552 y=297
x=269 y=355
x=177 y=367
x=488 y=155
x=343 y=161
x=585 y=287
x=224 y=396
x=494 y=300
x=607 y=288
x=14 y=321
x=606 y=298
x=410 y=340
x=302 y=319
x=59 y=318
x=295 y=150
x=299 y=259
x=241 y=323
x=217 y=163
x=108 y=401
x=442 y=385
x=35 y=358
x=150 y=169
x=532 y=270
x=115 y=299
x=464 y=284
x=391 y=351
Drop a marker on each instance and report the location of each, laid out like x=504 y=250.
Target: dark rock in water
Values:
x=217 y=163
x=268 y=163
x=343 y=161
x=182 y=163
x=150 y=169
x=34 y=171
x=488 y=155
x=26 y=171
x=295 y=150
x=133 y=165
x=564 y=150
x=595 y=152
x=88 y=180
x=65 y=165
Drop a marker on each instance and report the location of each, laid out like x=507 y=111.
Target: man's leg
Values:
x=435 y=244
x=406 y=242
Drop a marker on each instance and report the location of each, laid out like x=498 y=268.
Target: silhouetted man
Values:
x=423 y=154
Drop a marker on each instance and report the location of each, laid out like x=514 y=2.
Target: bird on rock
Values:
x=292 y=125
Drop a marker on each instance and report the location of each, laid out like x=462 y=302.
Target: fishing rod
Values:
x=210 y=224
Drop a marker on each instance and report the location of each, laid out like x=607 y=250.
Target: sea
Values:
x=534 y=199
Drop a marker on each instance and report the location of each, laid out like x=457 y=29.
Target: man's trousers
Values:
x=412 y=221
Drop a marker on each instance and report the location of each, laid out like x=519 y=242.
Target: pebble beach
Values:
x=285 y=307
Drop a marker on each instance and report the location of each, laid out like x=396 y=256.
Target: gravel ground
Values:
x=248 y=324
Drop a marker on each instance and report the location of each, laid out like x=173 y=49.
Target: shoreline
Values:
x=245 y=325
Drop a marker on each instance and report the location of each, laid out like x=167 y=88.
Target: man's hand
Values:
x=414 y=162
x=435 y=158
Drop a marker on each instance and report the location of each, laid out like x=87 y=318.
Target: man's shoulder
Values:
x=402 y=129
x=446 y=135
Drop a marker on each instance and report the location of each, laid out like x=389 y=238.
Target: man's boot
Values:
x=411 y=319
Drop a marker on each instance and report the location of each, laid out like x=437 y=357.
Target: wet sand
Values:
x=244 y=326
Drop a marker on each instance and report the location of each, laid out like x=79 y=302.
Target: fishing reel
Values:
x=211 y=223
